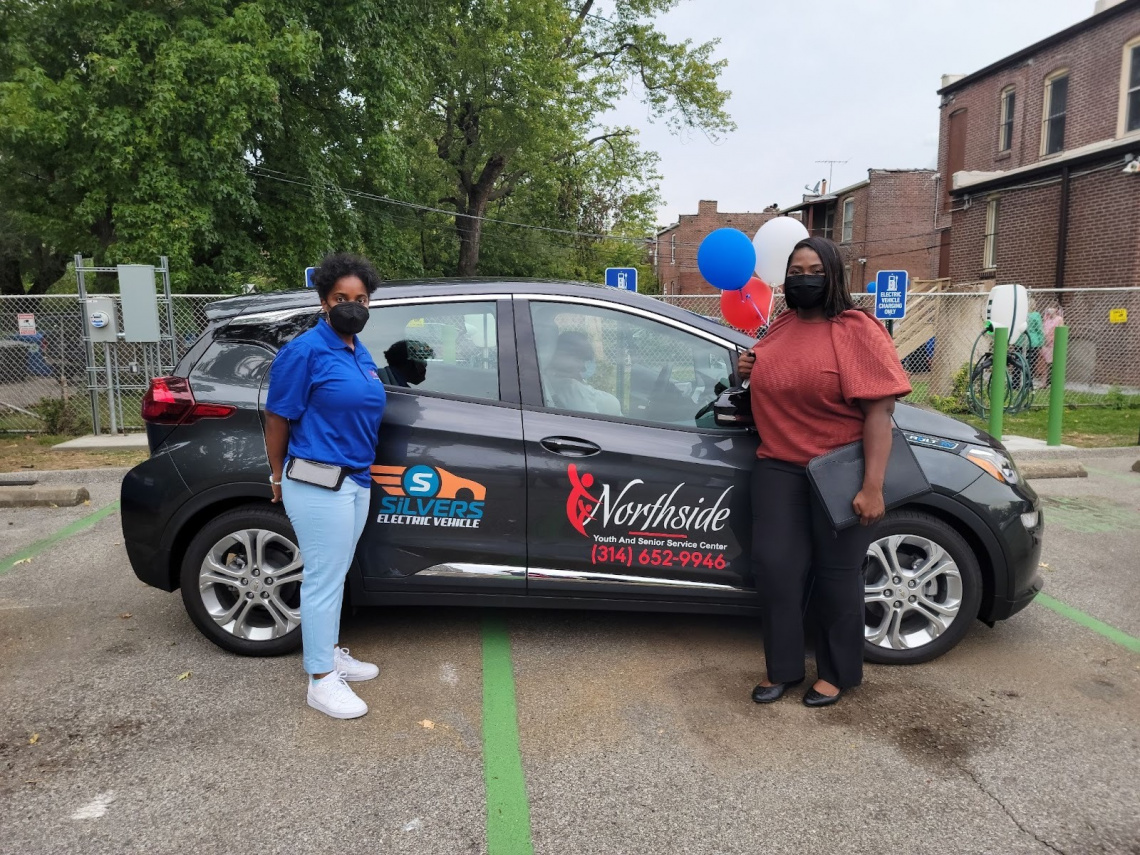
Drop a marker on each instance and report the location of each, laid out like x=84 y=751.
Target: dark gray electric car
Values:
x=503 y=479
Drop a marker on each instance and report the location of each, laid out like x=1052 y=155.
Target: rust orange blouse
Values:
x=809 y=377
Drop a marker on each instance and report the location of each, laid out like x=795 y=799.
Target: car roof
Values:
x=233 y=307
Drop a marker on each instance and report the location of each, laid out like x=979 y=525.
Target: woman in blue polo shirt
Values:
x=324 y=407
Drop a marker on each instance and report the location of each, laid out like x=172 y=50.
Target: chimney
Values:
x=823 y=187
x=1102 y=5
x=947 y=79
x=706 y=206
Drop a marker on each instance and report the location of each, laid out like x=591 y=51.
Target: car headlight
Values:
x=995 y=463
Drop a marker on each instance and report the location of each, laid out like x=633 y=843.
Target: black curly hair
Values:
x=338 y=265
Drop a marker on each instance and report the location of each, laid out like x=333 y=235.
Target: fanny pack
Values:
x=318 y=474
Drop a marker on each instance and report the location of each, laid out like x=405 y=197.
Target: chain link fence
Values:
x=46 y=382
x=47 y=386
x=941 y=343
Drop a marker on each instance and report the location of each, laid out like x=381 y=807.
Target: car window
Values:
x=451 y=348
x=612 y=363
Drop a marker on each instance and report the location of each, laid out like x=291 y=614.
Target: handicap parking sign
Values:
x=890 y=295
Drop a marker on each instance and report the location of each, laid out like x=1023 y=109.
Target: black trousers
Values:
x=795 y=551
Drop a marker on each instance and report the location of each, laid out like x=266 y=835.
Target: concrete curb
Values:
x=38 y=497
x=1035 y=469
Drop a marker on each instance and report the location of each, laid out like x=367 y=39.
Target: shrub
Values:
x=957 y=401
x=63 y=416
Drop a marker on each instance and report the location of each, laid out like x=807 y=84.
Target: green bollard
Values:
x=1057 y=384
x=997 y=380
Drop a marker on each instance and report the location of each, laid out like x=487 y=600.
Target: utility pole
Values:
x=830 y=169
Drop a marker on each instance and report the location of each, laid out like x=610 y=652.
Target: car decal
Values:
x=428 y=495
x=638 y=525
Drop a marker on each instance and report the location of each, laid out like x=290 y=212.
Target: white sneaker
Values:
x=332 y=696
x=353 y=669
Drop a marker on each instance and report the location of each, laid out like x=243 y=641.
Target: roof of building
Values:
x=832 y=196
x=1088 y=23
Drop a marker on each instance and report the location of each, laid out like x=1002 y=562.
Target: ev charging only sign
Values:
x=890 y=295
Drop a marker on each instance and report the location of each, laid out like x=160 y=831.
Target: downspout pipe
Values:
x=1062 y=230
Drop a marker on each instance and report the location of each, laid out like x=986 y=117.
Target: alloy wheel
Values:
x=250 y=584
x=913 y=591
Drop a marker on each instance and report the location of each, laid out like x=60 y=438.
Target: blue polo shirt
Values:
x=333 y=398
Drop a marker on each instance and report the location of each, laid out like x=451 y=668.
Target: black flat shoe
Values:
x=812 y=698
x=768 y=694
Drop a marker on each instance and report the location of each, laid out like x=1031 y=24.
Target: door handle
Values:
x=570 y=447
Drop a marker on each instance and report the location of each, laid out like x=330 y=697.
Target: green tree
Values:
x=130 y=130
x=516 y=94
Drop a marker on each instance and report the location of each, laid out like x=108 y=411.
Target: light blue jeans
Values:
x=328 y=525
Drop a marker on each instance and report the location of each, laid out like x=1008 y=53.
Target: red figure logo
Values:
x=580 y=504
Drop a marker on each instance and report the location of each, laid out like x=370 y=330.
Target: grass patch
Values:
x=34 y=452
x=1085 y=427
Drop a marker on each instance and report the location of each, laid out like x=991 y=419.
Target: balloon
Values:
x=773 y=244
x=749 y=307
x=872 y=287
x=762 y=296
x=726 y=259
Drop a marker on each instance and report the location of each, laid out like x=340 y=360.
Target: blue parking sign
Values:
x=622 y=277
x=309 y=277
x=890 y=295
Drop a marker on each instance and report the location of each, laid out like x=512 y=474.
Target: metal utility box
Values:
x=140 y=302
x=102 y=325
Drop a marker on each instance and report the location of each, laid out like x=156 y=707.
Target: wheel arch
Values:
x=194 y=514
x=983 y=542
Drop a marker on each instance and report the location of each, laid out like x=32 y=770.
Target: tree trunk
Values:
x=469 y=215
x=50 y=267
x=470 y=230
x=10 y=281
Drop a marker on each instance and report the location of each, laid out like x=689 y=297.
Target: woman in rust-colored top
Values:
x=826 y=374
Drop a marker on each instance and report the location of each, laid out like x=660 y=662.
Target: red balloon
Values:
x=750 y=307
x=762 y=296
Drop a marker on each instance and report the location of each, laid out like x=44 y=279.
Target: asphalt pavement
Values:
x=123 y=730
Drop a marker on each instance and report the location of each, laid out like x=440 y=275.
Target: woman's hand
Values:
x=276 y=488
x=744 y=365
x=869 y=505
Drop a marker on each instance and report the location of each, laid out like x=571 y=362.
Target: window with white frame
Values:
x=672 y=249
x=1130 y=89
x=1053 y=115
x=848 y=219
x=1005 y=129
x=989 y=253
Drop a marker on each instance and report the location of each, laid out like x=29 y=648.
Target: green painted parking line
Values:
x=1119 y=476
x=39 y=546
x=1110 y=632
x=508 y=812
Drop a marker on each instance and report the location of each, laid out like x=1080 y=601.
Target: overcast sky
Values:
x=851 y=80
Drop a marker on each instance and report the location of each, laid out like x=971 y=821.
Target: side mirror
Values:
x=733 y=408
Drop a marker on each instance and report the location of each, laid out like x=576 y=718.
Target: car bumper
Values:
x=149 y=494
x=1007 y=510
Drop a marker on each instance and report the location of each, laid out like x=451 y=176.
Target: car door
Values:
x=448 y=508
x=632 y=490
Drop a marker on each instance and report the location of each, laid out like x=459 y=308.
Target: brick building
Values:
x=1033 y=150
x=885 y=222
x=675 y=247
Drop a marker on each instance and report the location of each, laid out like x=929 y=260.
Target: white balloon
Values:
x=774 y=242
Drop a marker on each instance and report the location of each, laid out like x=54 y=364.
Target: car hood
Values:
x=919 y=420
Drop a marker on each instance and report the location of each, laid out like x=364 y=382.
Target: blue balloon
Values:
x=872 y=287
x=727 y=259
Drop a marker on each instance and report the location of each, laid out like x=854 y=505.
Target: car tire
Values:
x=249 y=608
x=923 y=586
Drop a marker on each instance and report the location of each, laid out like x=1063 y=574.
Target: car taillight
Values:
x=170 y=401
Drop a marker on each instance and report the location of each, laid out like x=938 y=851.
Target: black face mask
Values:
x=348 y=318
x=804 y=291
